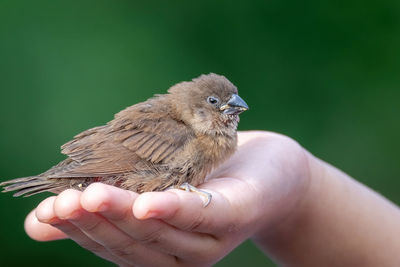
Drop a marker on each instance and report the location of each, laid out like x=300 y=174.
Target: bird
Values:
x=171 y=140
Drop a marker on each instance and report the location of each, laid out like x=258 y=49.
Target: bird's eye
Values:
x=212 y=100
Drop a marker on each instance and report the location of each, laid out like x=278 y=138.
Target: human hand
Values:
x=259 y=187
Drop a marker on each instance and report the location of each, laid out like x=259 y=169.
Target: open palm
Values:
x=256 y=189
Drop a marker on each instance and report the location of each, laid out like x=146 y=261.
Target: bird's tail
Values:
x=28 y=186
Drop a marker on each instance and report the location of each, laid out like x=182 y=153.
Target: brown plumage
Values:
x=168 y=140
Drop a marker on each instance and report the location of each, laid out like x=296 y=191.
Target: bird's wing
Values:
x=122 y=146
x=156 y=141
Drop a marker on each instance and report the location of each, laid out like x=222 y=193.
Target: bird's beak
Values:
x=234 y=106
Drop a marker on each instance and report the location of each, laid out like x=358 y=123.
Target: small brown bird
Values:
x=170 y=140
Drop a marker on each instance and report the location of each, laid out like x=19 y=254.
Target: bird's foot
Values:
x=204 y=195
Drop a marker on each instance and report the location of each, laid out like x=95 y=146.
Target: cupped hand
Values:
x=259 y=187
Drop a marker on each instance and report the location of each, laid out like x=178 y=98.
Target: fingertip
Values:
x=95 y=197
x=67 y=204
x=100 y=197
x=41 y=231
x=45 y=211
x=155 y=205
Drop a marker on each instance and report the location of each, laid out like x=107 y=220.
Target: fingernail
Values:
x=74 y=215
x=150 y=214
x=102 y=207
x=54 y=221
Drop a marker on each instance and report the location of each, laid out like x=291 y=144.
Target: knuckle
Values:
x=195 y=224
x=120 y=245
x=124 y=251
x=69 y=230
x=153 y=237
x=94 y=226
x=122 y=216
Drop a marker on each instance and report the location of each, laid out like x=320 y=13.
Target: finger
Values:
x=98 y=229
x=41 y=231
x=115 y=205
x=107 y=200
x=185 y=210
x=46 y=215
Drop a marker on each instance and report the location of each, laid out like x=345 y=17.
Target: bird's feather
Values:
x=167 y=140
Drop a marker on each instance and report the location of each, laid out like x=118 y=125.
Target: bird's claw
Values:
x=204 y=195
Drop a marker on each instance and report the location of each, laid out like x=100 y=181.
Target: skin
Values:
x=299 y=210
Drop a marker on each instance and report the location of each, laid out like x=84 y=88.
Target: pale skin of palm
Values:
x=298 y=209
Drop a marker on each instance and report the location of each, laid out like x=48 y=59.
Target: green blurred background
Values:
x=326 y=73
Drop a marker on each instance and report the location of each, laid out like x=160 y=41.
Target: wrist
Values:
x=279 y=239
x=284 y=206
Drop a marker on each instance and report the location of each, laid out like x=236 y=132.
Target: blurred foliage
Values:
x=326 y=73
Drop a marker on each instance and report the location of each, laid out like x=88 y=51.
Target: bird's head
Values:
x=210 y=104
